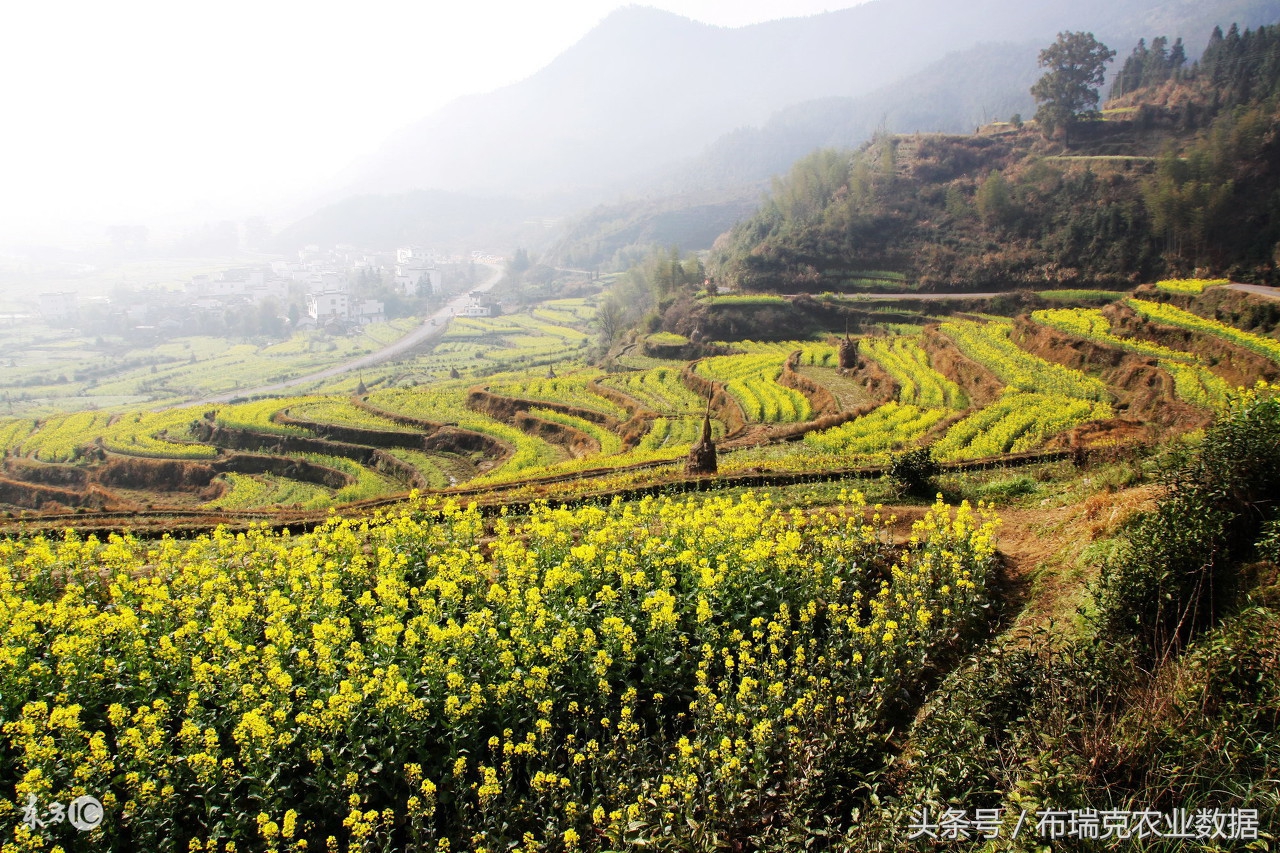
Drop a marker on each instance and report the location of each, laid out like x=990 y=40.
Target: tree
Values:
x=1077 y=65
x=993 y=199
x=519 y=263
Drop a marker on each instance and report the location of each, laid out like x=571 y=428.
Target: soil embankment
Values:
x=723 y=406
x=1237 y=365
x=979 y=384
x=1144 y=390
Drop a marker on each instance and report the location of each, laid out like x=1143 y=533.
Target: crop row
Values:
x=818 y=353
x=666 y=339
x=571 y=390
x=576 y=680
x=565 y=312
x=1198 y=385
x=257 y=415
x=368 y=483
x=607 y=439
x=1092 y=324
x=247 y=491
x=341 y=412
x=751 y=380
x=436 y=472
x=1172 y=316
x=61 y=438
x=1083 y=295
x=448 y=405
x=990 y=345
x=237 y=366
x=908 y=363
x=658 y=389
x=512 y=325
x=1016 y=422
x=677 y=433
x=889 y=427
x=1193 y=382
x=145 y=433
x=13 y=432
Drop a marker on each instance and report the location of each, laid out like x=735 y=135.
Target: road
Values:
x=393 y=350
x=1258 y=289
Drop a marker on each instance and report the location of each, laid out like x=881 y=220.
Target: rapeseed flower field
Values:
x=663 y=672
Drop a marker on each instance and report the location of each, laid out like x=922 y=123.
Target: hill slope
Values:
x=1176 y=181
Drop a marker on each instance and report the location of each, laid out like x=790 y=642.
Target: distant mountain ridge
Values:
x=647 y=87
x=649 y=102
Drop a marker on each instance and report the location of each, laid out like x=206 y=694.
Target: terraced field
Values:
x=752 y=380
x=544 y=418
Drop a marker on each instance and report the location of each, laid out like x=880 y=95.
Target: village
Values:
x=338 y=290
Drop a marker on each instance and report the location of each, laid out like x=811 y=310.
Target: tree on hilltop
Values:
x=1077 y=66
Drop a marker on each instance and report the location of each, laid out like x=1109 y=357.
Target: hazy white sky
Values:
x=117 y=111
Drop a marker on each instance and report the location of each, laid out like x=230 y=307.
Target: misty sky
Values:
x=124 y=111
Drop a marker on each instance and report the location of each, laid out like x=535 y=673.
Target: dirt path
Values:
x=1045 y=574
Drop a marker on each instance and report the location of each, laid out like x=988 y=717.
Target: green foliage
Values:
x=1243 y=67
x=1147 y=67
x=1177 y=575
x=914 y=472
x=994 y=199
x=662 y=277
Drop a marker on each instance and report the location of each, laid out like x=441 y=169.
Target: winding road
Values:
x=393 y=350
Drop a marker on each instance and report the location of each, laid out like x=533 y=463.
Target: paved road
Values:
x=393 y=350
x=1260 y=290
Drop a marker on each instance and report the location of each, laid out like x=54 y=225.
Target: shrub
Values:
x=1176 y=573
x=913 y=471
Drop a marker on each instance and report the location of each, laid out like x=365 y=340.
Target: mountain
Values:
x=450 y=221
x=647 y=87
x=650 y=103
x=691 y=203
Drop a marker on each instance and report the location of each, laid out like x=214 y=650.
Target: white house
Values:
x=414 y=277
x=328 y=305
